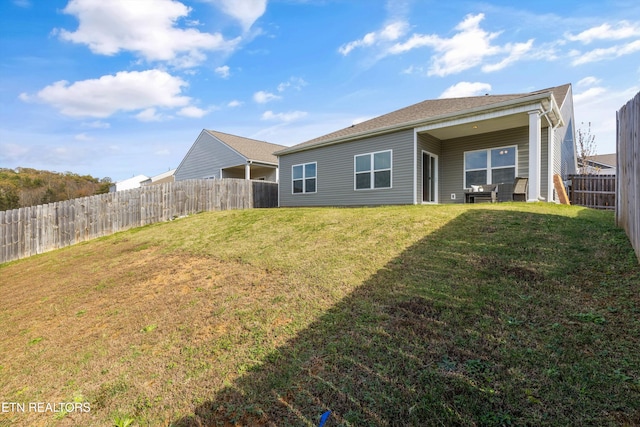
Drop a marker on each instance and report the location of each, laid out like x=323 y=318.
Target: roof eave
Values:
x=262 y=162
x=422 y=122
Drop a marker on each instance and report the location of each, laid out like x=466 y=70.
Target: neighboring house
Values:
x=168 y=176
x=128 y=184
x=599 y=164
x=432 y=151
x=216 y=155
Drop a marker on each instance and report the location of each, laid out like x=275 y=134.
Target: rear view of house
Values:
x=216 y=155
x=434 y=151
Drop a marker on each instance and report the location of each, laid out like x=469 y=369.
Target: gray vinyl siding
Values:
x=206 y=157
x=566 y=136
x=451 y=160
x=557 y=159
x=335 y=173
x=544 y=166
x=564 y=156
x=557 y=156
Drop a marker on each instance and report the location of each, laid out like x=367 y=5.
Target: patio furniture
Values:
x=520 y=187
x=505 y=191
x=481 y=193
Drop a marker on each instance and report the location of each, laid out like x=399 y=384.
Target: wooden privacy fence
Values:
x=593 y=191
x=37 y=229
x=628 y=171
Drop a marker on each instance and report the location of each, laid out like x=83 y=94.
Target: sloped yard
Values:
x=510 y=314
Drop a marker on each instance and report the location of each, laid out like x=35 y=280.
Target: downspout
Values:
x=551 y=148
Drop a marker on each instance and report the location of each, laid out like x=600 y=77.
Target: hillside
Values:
x=506 y=314
x=23 y=187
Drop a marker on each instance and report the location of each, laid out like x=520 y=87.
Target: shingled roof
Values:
x=252 y=149
x=422 y=112
x=604 y=159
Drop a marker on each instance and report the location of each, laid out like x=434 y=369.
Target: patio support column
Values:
x=535 y=144
x=247 y=171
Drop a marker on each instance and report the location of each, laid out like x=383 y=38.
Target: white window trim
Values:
x=304 y=187
x=372 y=170
x=488 y=168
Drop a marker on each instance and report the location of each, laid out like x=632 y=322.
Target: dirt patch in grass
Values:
x=419 y=315
x=135 y=332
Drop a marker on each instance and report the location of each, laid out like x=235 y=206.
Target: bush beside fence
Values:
x=628 y=171
x=37 y=229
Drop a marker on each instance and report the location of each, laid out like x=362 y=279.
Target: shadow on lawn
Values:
x=472 y=325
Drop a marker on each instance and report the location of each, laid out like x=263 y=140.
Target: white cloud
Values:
x=599 y=105
x=413 y=70
x=83 y=137
x=98 y=124
x=588 y=81
x=193 y=112
x=464 y=89
x=468 y=48
x=124 y=91
x=262 y=97
x=246 y=12
x=296 y=83
x=22 y=3
x=235 y=103
x=515 y=52
x=588 y=95
x=284 y=117
x=10 y=152
x=223 y=71
x=149 y=115
x=389 y=33
x=602 y=54
x=622 y=30
x=145 y=27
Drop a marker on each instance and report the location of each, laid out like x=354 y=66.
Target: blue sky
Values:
x=120 y=88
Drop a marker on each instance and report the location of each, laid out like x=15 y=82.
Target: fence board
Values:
x=593 y=191
x=37 y=229
x=628 y=171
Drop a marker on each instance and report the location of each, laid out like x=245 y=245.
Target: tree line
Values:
x=22 y=187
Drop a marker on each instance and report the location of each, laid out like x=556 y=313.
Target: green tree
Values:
x=9 y=198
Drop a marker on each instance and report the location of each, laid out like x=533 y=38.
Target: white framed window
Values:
x=372 y=170
x=491 y=166
x=304 y=178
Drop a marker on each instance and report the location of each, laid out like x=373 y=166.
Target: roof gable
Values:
x=424 y=111
x=252 y=149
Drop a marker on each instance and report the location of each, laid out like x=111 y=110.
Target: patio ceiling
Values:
x=479 y=126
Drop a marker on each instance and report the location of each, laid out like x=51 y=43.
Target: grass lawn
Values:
x=485 y=315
